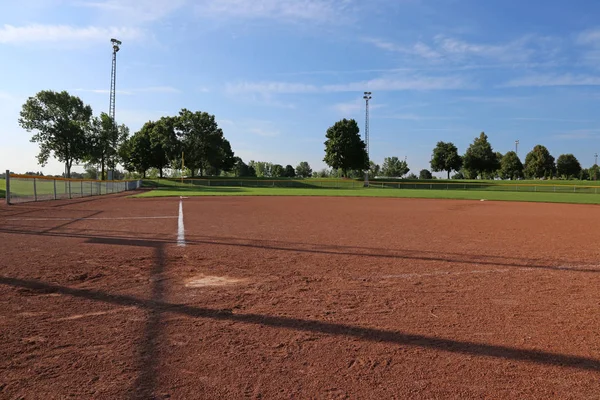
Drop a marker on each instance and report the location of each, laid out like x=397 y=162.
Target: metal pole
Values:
x=517 y=147
x=7 y=187
x=34 y=189
x=367 y=97
x=54 y=184
x=113 y=85
x=596 y=165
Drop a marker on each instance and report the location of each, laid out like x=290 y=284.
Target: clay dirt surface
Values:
x=299 y=298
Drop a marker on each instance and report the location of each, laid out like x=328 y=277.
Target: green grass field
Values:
x=579 y=198
x=2 y=188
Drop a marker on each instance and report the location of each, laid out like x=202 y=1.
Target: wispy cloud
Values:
x=554 y=80
x=264 y=132
x=56 y=33
x=134 y=11
x=151 y=89
x=378 y=84
x=550 y=119
x=578 y=134
x=353 y=107
x=307 y=10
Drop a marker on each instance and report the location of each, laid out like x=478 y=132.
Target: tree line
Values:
x=66 y=128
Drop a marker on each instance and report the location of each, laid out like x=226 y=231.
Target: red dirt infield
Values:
x=277 y=297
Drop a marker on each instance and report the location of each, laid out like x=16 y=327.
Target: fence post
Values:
x=34 y=189
x=7 y=187
x=54 y=184
x=91 y=188
x=574 y=189
x=70 y=197
x=81 y=188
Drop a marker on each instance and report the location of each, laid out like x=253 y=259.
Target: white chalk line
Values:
x=89 y=219
x=180 y=227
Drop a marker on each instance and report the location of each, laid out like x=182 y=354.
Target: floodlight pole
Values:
x=367 y=97
x=596 y=165
x=113 y=84
x=517 y=147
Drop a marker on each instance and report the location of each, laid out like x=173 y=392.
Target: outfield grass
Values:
x=2 y=188
x=579 y=198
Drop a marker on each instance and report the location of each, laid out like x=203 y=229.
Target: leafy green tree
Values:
x=568 y=166
x=458 y=175
x=105 y=139
x=202 y=142
x=289 y=172
x=539 y=163
x=446 y=158
x=344 y=148
x=61 y=123
x=374 y=169
x=262 y=168
x=393 y=167
x=241 y=170
x=303 y=170
x=277 y=171
x=412 y=177
x=480 y=159
x=511 y=166
x=425 y=174
x=584 y=175
x=594 y=172
x=164 y=146
x=136 y=152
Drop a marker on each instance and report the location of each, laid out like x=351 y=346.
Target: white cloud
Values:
x=134 y=11
x=316 y=10
x=151 y=89
x=554 y=80
x=355 y=106
x=591 y=36
x=58 y=33
x=378 y=84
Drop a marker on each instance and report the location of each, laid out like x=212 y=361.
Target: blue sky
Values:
x=277 y=73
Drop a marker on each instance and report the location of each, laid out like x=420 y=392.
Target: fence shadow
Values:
x=147 y=375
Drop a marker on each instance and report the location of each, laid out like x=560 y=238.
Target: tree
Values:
x=105 y=139
x=164 y=146
x=480 y=159
x=511 y=166
x=61 y=122
x=374 y=169
x=425 y=174
x=202 y=142
x=136 y=152
x=458 y=175
x=584 y=175
x=277 y=171
x=568 y=166
x=303 y=170
x=263 y=169
x=412 y=177
x=344 y=148
x=289 y=172
x=240 y=169
x=394 y=167
x=594 y=172
x=539 y=163
x=446 y=158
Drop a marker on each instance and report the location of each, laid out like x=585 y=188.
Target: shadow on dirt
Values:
x=146 y=381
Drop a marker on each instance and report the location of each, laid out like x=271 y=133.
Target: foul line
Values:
x=180 y=227
x=87 y=219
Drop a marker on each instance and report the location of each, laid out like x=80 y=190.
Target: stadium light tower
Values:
x=367 y=97
x=517 y=146
x=116 y=45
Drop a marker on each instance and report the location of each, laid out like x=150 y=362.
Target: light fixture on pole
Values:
x=116 y=44
x=367 y=97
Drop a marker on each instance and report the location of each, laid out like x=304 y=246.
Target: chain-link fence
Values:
x=26 y=188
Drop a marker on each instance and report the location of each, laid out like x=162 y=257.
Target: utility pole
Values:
x=517 y=146
x=113 y=84
x=367 y=97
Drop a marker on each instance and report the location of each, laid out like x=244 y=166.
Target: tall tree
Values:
x=446 y=158
x=568 y=166
x=594 y=172
x=393 y=167
x=480 y=159
x=303 y=170
x=344 y=148
x=374 y=169
x=511 y=166
x=539 y=163
x=202 y=142
x=290 y=172
x=136 y=152
x=105 y=139
x=60 y=122
x=164 y=145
